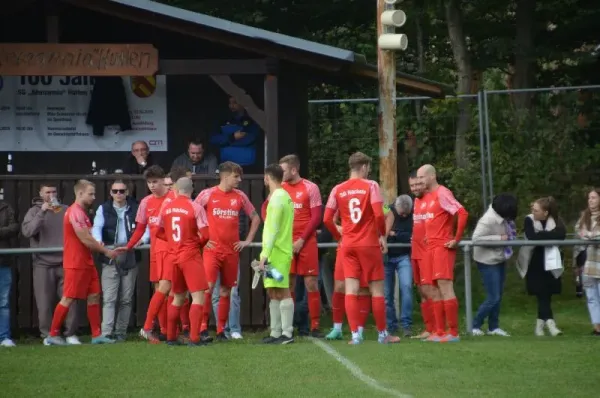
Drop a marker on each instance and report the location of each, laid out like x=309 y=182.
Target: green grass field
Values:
x=519 y=366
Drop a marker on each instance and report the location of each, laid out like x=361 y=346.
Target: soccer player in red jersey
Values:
x=184 y=225
x=307 y=217
x=80 y=274
x=223 y=204
x=360 y=204
x=418 y=253
x=441 y=243
x=149 y=215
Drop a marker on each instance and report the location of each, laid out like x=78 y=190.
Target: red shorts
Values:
x=416 y=264
x=161 y=267
x=80 y=283
x=306 y=262
x=338 y=272
x=441 y=262
x=189 y=275
x=225 y=264
x=363 y=263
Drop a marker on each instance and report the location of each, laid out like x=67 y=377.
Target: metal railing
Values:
x=466 y=246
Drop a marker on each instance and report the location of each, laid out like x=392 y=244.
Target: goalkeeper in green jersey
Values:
x=276 y=257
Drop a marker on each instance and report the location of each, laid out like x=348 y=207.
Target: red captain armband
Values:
x=137 y=235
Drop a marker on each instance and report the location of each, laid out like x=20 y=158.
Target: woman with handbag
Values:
x=541 y=266
x=588 y=228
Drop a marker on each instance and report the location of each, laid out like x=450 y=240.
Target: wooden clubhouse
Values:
x=205 y=60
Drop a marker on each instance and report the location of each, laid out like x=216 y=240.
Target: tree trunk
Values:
x=524 y=74
x=462 y=58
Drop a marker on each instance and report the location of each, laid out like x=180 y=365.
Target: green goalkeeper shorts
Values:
x=283 y=264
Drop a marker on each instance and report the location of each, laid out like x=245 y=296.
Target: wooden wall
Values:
x=19 y=191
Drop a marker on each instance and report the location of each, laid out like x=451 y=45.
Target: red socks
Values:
x=352 y=311
x=427 y=314
x=223 y=316
x=206 y=313
x=185 y=315
x=314 y=309
x=196 y=314
x=93 y=313
x=60 y=314
x=364 y=303
x=438 y=318
x=173 y=314
x=379 y=312
x=338 y=305
x=156 y=302
x=451 y=310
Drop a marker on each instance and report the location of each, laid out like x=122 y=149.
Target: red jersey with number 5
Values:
x=182 y=220
x=355 y=200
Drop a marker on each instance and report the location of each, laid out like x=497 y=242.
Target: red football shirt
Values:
x=149 y=214
x=223 y=214
x=76 y=255
x=355 y=199
x=305 y=196
x=439 y=216
x=182 y=219
x=418 y=235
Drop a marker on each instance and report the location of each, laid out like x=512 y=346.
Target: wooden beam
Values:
x=242 y=98
x=272 y=113
x=212 y=66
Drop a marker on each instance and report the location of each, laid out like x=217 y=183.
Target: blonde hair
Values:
x=81 y=185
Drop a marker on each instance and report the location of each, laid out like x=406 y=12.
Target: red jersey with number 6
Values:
x=355 y=200
x=182 y=220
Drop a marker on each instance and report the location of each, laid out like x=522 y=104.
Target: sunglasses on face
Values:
x=116 y=191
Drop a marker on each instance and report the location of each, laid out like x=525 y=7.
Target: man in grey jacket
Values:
x=43 y=225
x=197 y=159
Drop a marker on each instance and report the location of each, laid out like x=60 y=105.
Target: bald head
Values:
x=427 y=175
x=185 y=186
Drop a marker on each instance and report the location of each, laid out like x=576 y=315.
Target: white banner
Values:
x=48 y=113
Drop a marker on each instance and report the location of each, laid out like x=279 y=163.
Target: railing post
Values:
x=468 y=287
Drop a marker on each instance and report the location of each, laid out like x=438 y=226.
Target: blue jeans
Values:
x=233 y=324
x=400 y=265
x=5 y=283
x=493 y=281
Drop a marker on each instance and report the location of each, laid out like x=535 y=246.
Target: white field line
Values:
x=356 y=371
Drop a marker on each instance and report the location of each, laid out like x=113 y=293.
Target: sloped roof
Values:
x=316 y=55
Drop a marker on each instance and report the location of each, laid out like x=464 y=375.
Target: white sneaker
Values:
x=551 y=325
x=236 y=336
x=45 y=341
x=73 y=340
x=539 y=328
x=7 y=343
x=477 y=332
x=498 y=332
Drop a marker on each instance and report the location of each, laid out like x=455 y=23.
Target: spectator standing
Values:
x=139 y=159
x=542 y=266
x=233 y=329
x=197 y=159
x=495 y=225
x=43 y=226
x=9 y=232
x=114 y=224
x=398 y=262
x=588 y=228
x=237 y=137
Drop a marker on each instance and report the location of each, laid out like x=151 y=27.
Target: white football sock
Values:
x=286 y=307
x=275 y=313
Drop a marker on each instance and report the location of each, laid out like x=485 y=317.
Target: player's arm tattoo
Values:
x=254 y=224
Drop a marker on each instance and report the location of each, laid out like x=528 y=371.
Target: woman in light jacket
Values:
x=496 y=224
x=588 y=228
x=543 y=279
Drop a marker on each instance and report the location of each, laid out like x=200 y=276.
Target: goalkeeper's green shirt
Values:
x=277 y=232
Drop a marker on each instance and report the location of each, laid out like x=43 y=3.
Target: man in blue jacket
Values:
x=237 y=137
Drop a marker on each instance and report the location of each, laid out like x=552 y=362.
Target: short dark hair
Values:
x=230 y=167
x=274 y=171
x=358 y=160
x=196 y=141
x=506 y=205
x=154 y=172
x=413 y=174
x=177 y=172
x=48 y=184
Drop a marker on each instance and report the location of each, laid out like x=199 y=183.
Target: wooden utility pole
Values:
x=387 y=41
